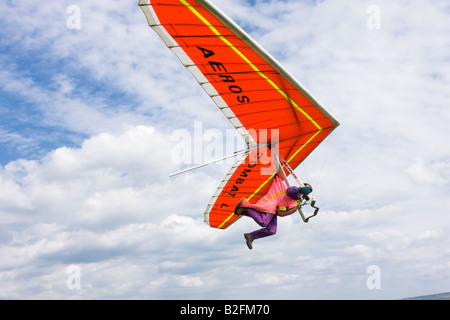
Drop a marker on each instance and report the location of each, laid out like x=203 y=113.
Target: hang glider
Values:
x=274 y=114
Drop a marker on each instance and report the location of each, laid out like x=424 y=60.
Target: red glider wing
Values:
x=250 y=87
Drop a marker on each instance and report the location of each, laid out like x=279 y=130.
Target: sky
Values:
x=92 y=108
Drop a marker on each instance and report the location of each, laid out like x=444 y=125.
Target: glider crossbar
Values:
x=313 y=204
x=238 y=153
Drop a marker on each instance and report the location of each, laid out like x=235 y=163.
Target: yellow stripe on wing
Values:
x=255 y=68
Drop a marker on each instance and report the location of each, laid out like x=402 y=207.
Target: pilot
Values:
x=279 y=201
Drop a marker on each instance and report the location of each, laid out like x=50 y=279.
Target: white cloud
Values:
x=436 y=174
x=107 y=175
x=274 y=278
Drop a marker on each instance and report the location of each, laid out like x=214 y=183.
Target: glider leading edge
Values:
x=279 y=120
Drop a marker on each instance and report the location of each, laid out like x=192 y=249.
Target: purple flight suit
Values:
x=268 y=220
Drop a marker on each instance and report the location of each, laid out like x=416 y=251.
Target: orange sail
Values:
x=267 y=106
